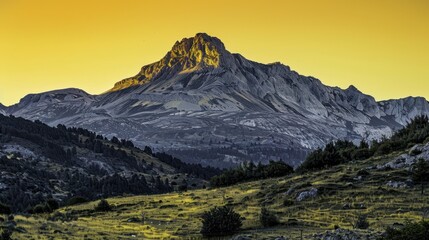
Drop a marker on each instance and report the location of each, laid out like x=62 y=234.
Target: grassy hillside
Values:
x=344 y=192
x=334 y=188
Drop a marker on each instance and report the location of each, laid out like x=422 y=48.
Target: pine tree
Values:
x=421 y=173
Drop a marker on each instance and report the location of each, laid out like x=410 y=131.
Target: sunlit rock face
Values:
x=204 y=104
x=188 y=55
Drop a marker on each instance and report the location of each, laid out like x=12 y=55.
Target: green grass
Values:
x=177 y=215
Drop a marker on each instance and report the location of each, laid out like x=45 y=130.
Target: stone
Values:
x=396 y=184
x=241 y=237
x=307 y=194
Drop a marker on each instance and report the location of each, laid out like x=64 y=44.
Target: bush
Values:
x=220 y=221
x=103 y=206
x=64 y=217
x=182 y=188
x=4 y=209
x=40 y=208
x=363 y=172
x=360 y=154
x=268 y=219
x=415 y=152
x=49 y=206
x=52 y=204
x=288 y=202
x=76 y=200
x=411 y=231
x=362 y=222
x=6 y=234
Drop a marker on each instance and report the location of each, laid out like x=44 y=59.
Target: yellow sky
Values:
x=381 y=47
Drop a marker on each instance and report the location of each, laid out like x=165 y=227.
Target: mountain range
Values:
x=207 y=105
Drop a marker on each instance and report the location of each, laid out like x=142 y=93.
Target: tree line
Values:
x=249 y=172
x=343 y=151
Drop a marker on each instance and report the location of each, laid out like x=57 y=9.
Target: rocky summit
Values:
x=206 y=105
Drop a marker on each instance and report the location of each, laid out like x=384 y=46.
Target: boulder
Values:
x=396 y=184
x=307 y=194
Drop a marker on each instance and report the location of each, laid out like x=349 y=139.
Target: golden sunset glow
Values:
x=381 y=47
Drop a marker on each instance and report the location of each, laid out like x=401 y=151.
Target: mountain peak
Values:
x=190 y=54
x=353 y=90
x=196 y=52
x=199 y=41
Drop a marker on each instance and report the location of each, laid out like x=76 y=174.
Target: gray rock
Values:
x=344 y=234
x=290 y=191
x=307 y=194
x=281 y=238
x=406 y=160
x=241 y=237
x=396 y=184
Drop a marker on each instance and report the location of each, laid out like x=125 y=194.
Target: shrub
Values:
x=415 y=152
x=4 y=209
x=268 y=219
x=52 y=204
x=76 y=200
x=40 y=208
x=6 y=234
x=411 y=231
x=49 y=206
x=361 y=222
x=363 y=172
x=64 y=217
x=183 y=188
x=288 y=202
x=220 y=221
x=360 y=154
x=103 y=206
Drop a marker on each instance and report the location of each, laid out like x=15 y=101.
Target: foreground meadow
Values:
x=343 y=195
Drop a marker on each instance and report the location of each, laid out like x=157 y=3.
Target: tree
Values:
x=103 y=206
x=421 y=173
x=4 y=209
x=53 y=204
x=115 y=140
x=248 y=172
x=76 y=200
x=147 y=150
x=220 y=221
x=411 y=231
x=361 y=222
x=267 y=218
x=6 y=234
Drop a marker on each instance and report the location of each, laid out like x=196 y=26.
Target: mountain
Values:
x=38 y=162
x=206 y=105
